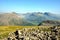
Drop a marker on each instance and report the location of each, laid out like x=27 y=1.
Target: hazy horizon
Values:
x=24 y=6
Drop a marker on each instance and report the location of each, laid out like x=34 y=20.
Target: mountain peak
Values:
x=47 y=13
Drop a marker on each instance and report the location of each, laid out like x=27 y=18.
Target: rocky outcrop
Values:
x=33 y=34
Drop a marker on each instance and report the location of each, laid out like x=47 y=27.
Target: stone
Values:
x=35 y=34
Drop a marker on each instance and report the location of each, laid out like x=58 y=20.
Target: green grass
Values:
x=5 y=30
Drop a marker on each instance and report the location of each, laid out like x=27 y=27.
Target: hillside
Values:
x=7 y=19
x=10 y=31
x=37 y=17
x=28 y=19
x=5 y=30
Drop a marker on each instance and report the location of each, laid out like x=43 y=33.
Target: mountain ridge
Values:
x=26 y=19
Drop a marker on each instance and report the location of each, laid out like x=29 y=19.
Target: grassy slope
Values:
x=5 y=30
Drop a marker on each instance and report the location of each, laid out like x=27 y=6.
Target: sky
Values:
x=23 y=6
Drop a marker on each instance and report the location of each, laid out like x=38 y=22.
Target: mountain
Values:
x=37 y=17
x=7 y=19
x=28 y=19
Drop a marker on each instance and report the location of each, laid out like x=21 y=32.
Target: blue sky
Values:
x=23 y=6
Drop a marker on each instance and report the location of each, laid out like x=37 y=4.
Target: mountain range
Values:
x=27 y=19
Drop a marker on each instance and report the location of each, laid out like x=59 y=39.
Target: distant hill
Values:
x=37 y=17
x=7 y=19
x=28 y=19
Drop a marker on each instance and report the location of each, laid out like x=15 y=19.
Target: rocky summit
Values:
x=35 y=34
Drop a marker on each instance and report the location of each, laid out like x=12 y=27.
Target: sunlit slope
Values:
x=13 y=19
